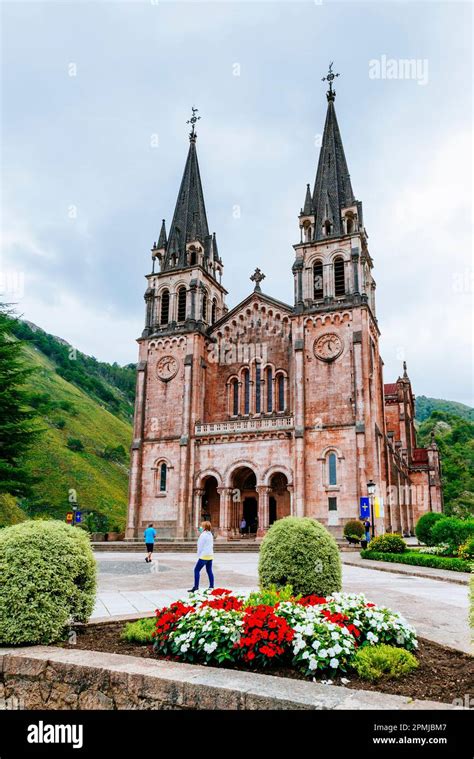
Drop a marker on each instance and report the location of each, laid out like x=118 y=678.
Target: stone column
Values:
x=291 y=491
x=184 y=448
x=263 y=509
x=198 y=494
x=226 y=503
x=136 y=459
x=299 y=466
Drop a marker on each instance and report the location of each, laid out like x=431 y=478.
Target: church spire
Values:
x=189 y=222
x=332 y=188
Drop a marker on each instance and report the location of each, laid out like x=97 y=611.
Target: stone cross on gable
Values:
x=257 y=277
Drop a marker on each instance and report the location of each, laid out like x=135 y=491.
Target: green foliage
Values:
x=383 y=662
x=115 y=453
x=300 y=552
x=425 y=525
x=425 y=406
x=272 y=595
x=455 y=439
x=388 y=543
x=109 y=384
x=17 y=428
x=452 y=532
x=140 y=631
x=354 y=528
x=10 y=512
x=101 y=485
x=419 y=559
x=48 y=580
x=74 y=444
x=466 y=550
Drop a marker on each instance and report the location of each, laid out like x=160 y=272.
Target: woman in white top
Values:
x=205 y=552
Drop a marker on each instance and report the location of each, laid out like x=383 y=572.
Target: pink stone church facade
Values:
x=271 y=409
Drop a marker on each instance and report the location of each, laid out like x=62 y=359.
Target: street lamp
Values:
x=371 y=491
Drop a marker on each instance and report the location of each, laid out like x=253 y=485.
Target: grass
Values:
x=100 y=485
x=139 y=631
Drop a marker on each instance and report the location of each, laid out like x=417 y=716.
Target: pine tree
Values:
x=17 y=429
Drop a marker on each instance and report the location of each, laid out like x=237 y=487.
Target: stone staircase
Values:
x=238 y=545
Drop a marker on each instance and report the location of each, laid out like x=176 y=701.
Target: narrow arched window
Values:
x=235 y=398
x=214 y=311
x=258 y=388
x=318 y=280
x=165 y=307
x=182 y=304
x=269 y=389
x=192 y=258
x=204 y=308
x=339 y=283
x=327 y=228
x=349 y=225
x=281 y=392
x=246 y=391
x=163 y=473
x=332 y=469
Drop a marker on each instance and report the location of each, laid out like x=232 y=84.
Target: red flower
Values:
x=264 y=635
x=311 y=600
x=369 y=605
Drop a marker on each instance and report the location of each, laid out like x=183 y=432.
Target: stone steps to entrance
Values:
x=189 y=546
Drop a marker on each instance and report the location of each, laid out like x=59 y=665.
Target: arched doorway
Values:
x=210 y=502
x=279 y=504
x=244 y=500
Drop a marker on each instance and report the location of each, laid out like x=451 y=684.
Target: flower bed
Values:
x=420 y=559
x=310 y=634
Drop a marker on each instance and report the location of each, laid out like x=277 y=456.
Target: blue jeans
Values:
x=197 y=571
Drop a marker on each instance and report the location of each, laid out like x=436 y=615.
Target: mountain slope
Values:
x=69 y=416
x=425 y=406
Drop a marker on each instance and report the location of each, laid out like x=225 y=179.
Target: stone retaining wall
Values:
x=45 y=677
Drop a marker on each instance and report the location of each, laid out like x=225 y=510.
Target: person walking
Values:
x=367 y=530
x=149 y=535
x=205 y=553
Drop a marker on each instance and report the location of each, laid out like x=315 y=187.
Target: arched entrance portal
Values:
x=244 y=500
x=279 y=504
x=210 y=502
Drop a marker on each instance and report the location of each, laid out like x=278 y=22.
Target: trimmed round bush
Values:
x=354 y=528
x=453 y=532
x=376 y=662
x=300 y=552
x=425 y=525
x=47 y=581
x=388 y=543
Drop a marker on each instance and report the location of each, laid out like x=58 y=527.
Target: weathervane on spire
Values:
x=192 y=121
x=330 y=76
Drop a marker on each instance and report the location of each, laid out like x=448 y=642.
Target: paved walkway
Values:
x=130 y=587
x=446 y=575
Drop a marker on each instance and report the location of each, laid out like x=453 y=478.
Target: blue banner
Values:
x=364 y=507
x=78 y=517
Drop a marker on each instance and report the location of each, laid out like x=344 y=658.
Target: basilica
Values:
x=272 y=409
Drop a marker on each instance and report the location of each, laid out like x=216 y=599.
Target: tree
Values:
x=17 y=428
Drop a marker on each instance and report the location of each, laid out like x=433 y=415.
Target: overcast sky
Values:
x=94 y=138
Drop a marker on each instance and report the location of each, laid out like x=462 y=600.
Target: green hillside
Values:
x=455 y=439
x=425 y=406
x=98 y=474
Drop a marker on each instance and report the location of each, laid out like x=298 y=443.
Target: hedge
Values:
x=419 y=560
x=47 y=581
x=300 y=552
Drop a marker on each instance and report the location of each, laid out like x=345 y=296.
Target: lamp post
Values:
x=371 y=491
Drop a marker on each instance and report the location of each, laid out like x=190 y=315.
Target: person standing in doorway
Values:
x=149 y=535
x=205 y=553
x=243 y=526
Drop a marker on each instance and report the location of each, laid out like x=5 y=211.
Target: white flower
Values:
x=316 y=644
x=334 y=663
x=313 y=664
x=337 y=648
x=184 y=648
x=323 y=653
x=210 y=647
x=344 y=680
x=326 y=682
x=335 y=635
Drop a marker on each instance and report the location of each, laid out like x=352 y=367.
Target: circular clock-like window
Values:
x=167 y=368
x=328 y=347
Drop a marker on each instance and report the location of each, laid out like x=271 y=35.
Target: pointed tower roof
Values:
x=307 y=209
x=189 y=220
x=332 y=188
x=162 y=240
